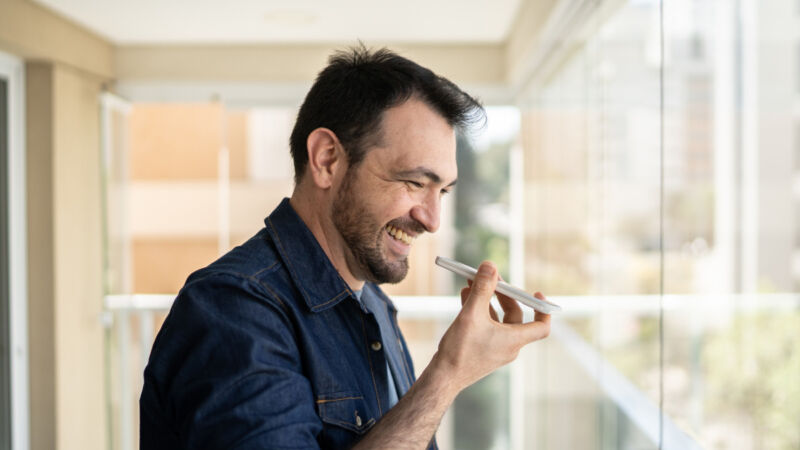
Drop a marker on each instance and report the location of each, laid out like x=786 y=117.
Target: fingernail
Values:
x=486 y=270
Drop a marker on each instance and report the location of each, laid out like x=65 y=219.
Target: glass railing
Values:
x=600 y=381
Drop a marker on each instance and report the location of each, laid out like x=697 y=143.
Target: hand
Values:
x=477 y=343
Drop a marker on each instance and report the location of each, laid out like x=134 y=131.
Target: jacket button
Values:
x=376 y=345
x=358 y=420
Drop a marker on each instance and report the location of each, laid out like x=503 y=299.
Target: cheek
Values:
x=393 y=200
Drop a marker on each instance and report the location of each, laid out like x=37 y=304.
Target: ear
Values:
x=325 y=156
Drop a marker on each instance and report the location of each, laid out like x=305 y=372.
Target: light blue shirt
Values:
x=387 y=336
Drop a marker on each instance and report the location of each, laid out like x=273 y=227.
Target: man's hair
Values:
x=351 y=94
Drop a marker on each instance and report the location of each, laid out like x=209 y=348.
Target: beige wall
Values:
x=65 y=69
x=524 y=38
x=35 y=33
x=65 y=257
x=41 y=270
x=293 y=63
x=78 y=261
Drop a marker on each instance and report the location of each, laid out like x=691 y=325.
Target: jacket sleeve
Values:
x=225 y=371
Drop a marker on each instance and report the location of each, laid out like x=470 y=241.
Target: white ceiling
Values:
x=128 y=22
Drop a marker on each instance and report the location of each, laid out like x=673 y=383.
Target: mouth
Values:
x=399 y=235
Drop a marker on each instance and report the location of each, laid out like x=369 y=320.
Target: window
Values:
x=627 y=213
x=13 y=317
x=5 y=335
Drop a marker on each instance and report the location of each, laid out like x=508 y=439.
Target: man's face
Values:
x=394 y=194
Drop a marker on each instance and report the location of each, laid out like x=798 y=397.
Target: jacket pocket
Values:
x=344 y=411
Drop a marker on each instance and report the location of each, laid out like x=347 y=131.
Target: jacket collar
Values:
x=309 y=267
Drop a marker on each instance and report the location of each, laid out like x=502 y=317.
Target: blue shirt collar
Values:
x=312 y=272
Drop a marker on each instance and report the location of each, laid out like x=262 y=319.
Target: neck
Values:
x=313 y=210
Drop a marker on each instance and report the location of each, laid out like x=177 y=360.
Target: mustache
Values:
x=408 y=225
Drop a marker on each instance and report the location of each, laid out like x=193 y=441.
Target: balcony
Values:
x=597 y=382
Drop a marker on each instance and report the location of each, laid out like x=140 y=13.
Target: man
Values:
x=287 y=341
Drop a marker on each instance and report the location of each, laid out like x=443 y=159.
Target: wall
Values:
x=66 y=67
x=41 y=304
x=33 y=32
x=292 y=63
x=78 y=261
x=65 y=257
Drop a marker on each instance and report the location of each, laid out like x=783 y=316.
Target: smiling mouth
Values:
x=399 y=235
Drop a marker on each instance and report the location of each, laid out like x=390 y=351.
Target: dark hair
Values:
x=350 y=95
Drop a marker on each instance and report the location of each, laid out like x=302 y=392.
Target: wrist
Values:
x=441 y=377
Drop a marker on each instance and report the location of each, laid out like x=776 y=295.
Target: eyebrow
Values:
x=424 y=172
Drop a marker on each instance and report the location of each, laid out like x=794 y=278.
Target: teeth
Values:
x=400 y=235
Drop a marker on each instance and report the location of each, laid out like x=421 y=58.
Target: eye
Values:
x=444 y=192
x=413 y=184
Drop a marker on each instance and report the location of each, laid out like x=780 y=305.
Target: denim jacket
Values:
x=267 y=347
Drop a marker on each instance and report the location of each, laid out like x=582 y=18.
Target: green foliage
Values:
x=753 y=368
x=482 y=180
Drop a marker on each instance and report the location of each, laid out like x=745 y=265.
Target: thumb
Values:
x=482 y=287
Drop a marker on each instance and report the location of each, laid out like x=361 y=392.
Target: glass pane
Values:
x=684 y=267
x=115 y=178
x=731 y=363
x=592 y=230
x=480 y=414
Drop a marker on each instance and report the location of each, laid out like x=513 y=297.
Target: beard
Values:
x=364 y=236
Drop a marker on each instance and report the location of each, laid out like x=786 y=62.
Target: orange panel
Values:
x=161 y=266
x=175 y=141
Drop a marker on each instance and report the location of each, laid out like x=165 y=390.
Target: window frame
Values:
x=16 y=413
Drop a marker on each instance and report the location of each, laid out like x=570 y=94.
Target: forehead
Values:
x=414 y=135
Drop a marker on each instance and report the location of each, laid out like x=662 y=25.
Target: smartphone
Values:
x=502 y=287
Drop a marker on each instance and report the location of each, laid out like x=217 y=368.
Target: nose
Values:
x=427 y=212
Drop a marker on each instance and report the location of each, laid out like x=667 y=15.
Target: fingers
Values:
x=480 y=291
x=540 y=316
x=536 y=330
x=512 y=313
x=539 y=328
x=529 y=332
x=465 y=296
x=482 y=287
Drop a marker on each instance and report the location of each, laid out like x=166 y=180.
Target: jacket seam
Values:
x=269 y=294
x=335 y=298
x=270 y=267
x=321 y=401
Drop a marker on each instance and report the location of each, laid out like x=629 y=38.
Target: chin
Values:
x=389 y=273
